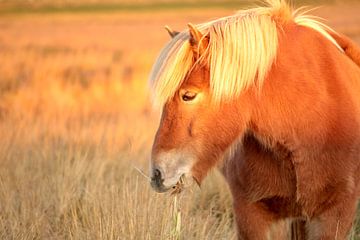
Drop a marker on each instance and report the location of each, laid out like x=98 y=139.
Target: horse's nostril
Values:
x=157 y=173
x=156 y=180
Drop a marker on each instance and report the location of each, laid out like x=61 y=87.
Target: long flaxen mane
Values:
x=241 y=50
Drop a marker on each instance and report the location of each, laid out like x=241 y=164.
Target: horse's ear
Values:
x=171 y=32
x=198 y=41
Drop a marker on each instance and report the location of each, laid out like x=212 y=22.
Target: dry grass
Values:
x=73 y=178
x=75 y=120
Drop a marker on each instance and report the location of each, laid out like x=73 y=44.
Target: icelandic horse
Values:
x=272 y=96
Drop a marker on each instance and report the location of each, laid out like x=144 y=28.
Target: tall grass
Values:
x=73 y=179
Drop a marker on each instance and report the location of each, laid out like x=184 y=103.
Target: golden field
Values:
x=76 y=123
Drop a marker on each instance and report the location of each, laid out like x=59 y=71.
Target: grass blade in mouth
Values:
x=179 y=186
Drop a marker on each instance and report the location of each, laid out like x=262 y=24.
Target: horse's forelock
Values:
x=240 y=53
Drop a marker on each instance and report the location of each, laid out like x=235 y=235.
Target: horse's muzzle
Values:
x=157 y=181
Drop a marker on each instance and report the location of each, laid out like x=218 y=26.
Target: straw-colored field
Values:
x=75 y=123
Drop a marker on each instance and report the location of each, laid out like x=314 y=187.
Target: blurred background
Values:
x=76 y=122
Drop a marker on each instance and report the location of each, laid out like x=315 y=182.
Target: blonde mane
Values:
x=241 y=51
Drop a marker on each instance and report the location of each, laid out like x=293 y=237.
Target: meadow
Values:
x=76 y=126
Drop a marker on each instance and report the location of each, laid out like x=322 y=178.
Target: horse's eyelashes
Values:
x=188 y=96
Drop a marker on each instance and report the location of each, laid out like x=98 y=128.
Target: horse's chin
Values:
x=173 y=184
x=158 y=188
x=183 y=182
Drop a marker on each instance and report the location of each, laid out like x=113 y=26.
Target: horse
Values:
x=270 y=96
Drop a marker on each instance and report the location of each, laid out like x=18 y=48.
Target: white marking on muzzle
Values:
x=172 y=165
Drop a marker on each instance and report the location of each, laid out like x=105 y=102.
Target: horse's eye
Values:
x=188 y=96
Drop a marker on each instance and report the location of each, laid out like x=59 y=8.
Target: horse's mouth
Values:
x=179 y=186
x=159 y=185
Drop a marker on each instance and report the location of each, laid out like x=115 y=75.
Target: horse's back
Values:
x=349 y=47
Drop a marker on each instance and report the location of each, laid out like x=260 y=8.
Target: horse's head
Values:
x=194 y=132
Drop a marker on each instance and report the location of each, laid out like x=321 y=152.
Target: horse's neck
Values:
x=310 y=84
